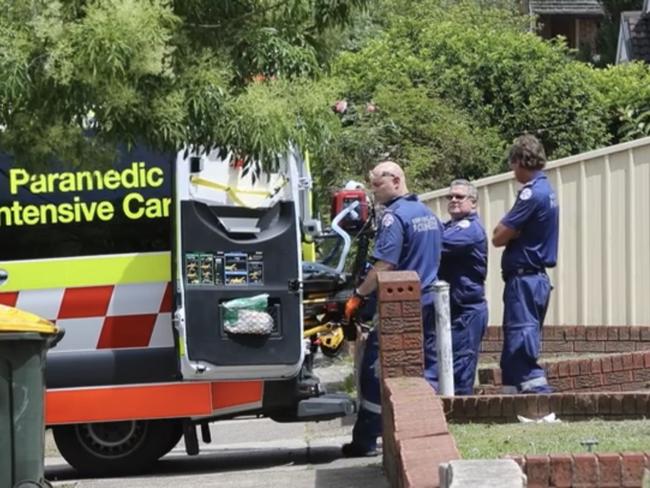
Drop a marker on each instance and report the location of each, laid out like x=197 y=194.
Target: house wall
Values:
x=603 y=271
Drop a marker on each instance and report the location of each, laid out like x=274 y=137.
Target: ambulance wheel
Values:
x=109 y=448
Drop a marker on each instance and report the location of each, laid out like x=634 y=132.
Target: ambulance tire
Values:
x=111 y=448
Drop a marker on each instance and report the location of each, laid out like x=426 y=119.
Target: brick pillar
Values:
x=400 y=350
x=400 y=324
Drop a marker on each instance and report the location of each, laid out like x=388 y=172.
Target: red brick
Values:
x=398 y=286
x=592 y=332
x=632 y=386
x=553 y=333
x=629 y=404
x=561 y=470
x=612 y=333
x=390 y=310
x=646 y=357
x=411 y=308
x=570 y=332
x=555 y=402
x=538 y=471
x=610 y=470
x=643 y=404
x=624 y=333
x=553 y=346
x=617 y=378
x=483 y=407
x=637 y=359
x=588 y=381
x=642 y=346
x=585 y=366
x=632 y=465
x=563 y=384
x=596 y=366
x=628 y=361
x=645 y=333
x=412 y=341
x=581 y=333
x=604 y=404
x=606 y=364
x=638 y=333
x=543 y=405
x=585 y=471
x=616 y=402
x=641 y=375
x=620 y=347
x=617 y=362
x=508 y=407
x=587 y=404
x=494 y=407
x=590 y=346
x=552 y=370
x=574 y=367
x=602 y=332
x=563 y=369
x=568 y=404
x=391 y=342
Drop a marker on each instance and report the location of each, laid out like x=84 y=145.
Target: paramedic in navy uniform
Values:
x=408 y=238
x=529 y=232
x=464 y=266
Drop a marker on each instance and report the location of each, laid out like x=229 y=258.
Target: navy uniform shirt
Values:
x=464 y=261
x=409 y=238
x=535 y=215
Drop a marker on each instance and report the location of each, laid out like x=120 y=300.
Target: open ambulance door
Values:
x=237 y=269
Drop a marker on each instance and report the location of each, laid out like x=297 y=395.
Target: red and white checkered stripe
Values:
x=103 y=317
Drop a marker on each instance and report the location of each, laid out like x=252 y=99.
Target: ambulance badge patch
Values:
x=463 y=224
x=526 y=193
x=387 y=220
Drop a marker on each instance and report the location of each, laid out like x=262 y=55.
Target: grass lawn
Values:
x=490 y=441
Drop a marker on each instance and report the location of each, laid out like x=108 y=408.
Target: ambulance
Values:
x=142 y=262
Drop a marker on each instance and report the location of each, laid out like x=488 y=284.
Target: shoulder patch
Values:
x=387 y=220
x=525 y=194
x=463 y=224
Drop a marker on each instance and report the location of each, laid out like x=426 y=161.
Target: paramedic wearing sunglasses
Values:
x=464 y=266
x=408 y=238
x=529 y=232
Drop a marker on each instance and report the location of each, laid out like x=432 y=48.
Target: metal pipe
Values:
x=347 y=240
x=443 y=339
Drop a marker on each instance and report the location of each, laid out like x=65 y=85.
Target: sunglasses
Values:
x=460 y=198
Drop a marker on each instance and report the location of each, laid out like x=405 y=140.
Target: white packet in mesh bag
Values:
x=250 y=322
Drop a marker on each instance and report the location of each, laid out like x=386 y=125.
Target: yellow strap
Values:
x=233 y=192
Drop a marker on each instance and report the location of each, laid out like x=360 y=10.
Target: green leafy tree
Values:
x=239 y=74
x=625 y=92
x=453 y=84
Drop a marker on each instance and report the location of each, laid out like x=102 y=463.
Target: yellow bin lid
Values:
x=14 y=320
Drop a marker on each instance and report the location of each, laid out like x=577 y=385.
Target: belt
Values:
x=521 y=272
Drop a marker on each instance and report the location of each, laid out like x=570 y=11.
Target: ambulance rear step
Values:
x=326 y=407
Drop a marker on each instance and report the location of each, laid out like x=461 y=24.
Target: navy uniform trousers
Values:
x=525 y=299
x=368 y=425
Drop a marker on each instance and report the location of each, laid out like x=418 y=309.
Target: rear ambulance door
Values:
x=237 y=238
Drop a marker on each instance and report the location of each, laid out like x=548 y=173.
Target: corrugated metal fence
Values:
x=603 y=271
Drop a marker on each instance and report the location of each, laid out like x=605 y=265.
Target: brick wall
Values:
x=415 y=434
x=567 y=406
x=416 y=438
x=607 y=470
x=612 y=372
x=564 y=340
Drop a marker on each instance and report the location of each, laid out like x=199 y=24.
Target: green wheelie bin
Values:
x=24 y=341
